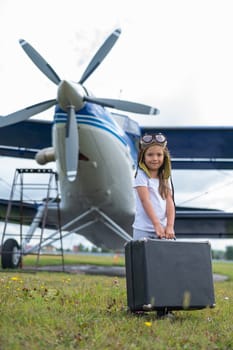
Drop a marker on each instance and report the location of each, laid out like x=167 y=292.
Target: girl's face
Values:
x=154 y=157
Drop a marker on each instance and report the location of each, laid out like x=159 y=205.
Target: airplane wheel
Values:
x=11 y=257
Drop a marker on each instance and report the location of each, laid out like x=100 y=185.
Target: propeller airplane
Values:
x=95 y=151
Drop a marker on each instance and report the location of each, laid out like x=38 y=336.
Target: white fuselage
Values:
x=104 y=179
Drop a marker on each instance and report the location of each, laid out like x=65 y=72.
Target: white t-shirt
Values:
x=142 y=220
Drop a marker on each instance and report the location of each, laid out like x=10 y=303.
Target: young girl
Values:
x=155 y=210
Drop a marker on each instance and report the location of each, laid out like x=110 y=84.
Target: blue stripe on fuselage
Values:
x=97 y=116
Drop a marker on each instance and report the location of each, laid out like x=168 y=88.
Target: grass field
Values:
x=68 y=311
x=74 y=259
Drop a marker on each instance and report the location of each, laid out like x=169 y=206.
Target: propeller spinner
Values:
x=71 y=97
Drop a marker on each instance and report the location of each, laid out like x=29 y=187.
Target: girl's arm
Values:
x=144 y=196
x=170 y=212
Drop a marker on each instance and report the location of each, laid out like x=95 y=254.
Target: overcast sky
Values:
x=173 y=54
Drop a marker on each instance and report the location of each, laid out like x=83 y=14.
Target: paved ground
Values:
x=98 y=270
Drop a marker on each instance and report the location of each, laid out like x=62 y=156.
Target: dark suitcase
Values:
x=176 y=275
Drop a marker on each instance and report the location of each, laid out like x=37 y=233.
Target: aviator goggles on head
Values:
x=157 y=138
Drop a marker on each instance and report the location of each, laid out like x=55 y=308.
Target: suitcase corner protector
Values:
x=147 y=307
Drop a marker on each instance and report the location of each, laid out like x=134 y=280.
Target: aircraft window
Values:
x=127 y=124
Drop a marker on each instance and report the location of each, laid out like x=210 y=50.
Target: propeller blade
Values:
x=100 y=55
x=39 y=61
x=26 y=113
x=71 y=145
x=122 y=105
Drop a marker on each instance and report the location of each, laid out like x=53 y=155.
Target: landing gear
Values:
x=11 y=256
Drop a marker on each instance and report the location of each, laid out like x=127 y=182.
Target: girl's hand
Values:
x=169 y=232
x=160 y=231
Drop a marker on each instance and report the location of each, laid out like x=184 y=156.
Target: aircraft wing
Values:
x=25 y=139
x=190 y=222
x=198 y=147
x=22 y=212
x=203 y=223
x=28 y=210
x=190 y=147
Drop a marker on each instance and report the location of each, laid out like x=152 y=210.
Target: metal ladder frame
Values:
x=42 y=209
